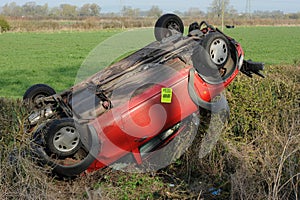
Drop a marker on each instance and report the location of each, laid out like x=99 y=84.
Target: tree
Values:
x=12 y=9
x=216 y=8
x=85 y=10
x=178 y=12
x=90 y=10
x=28 y=8
x=68 y=10
x=42 y=10
x=95 y=9
x=154 y=11
x=194 y=12
x=55 y=12
x=221 y=9
x=294 y=15
x=232 y=13
x=128 y=11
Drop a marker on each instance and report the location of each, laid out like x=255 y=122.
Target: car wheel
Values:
x=62 y=137
x=78 y=154
x=217 y=46
x=38 y=91
x=168 y=25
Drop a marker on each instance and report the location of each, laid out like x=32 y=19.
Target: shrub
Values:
x=257 y=154
x=4 y=25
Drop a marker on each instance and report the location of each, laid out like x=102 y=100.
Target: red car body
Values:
x=134 y=120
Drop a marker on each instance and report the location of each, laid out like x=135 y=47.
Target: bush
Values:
x=4 y=25
x=258 y=153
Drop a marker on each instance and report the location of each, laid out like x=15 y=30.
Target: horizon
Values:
x=107 y=6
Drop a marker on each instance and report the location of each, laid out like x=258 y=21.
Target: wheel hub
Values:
x=66 y=139
x=172 y=27
x=218 y=51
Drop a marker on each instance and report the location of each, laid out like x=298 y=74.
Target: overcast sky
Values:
x=172 y=5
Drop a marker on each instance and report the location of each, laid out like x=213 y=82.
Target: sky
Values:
x=286 y=6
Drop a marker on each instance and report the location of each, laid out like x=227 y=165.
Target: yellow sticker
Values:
x=166 y=95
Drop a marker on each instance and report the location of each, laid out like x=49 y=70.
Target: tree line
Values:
x=216 y=9
x=33 y=10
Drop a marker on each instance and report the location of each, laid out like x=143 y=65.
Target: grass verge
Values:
x=257 y=156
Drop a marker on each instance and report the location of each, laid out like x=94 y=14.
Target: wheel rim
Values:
x=66 y=139
x=39 y=96
x=218 y=51
x=172 y=26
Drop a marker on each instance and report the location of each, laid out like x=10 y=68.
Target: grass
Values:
x=52 y=58
x=55 y=58
x=271 y=45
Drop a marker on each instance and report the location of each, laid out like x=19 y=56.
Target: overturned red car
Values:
x=136 y=107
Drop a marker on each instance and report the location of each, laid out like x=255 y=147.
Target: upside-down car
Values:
x=139 y=105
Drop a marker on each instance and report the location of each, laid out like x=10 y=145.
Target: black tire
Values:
x=166 y=25
x=205 y=61
x=90 y=142
x=38 y=91
x=56 y=131
x=218 y=48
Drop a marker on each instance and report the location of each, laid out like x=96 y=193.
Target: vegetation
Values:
x=34 y=17
x=272 y=45
x=28 y=58
x=68 y=11
x=31 y=9
x=219 y=6
x=4 y=26
x=257 y=156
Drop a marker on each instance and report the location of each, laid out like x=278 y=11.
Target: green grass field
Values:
x=52 y=58
x=55 y=58
x=271 y=45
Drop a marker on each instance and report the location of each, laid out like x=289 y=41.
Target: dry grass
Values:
x=92 y=23
x=19 y=176
x=256 y=157
x=97 y=23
